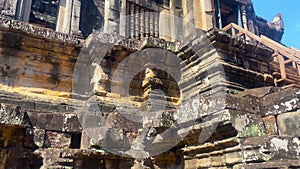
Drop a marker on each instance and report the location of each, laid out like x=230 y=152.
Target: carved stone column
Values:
x=202 y=11
x=106 y=16
x=184 y=14
x=63 y=19
x=198 y=14
x=172 y=20
x=123 y=14
x=23 y=10
x=203 y=14
x=164 y=25
x=69 y=16
x=244 y=16
x=75 y=17
x=111 y=16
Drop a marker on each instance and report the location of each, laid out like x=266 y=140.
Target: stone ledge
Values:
x=7 y=23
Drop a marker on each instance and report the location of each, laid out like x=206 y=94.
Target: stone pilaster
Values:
x=69 y=16
x=202 y=14
x=75 y=20
x=63 y=19
x=23 y=10
x=123 y=18
x=172 y=20
x=111 y=16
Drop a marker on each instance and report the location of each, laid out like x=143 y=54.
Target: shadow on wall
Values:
x=27 y=61
x=17 y=148
x=9 y=72
x=91 y=17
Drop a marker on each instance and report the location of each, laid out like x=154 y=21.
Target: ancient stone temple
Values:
x=146 y=84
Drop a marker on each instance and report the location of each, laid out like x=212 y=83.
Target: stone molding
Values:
x=7 y=23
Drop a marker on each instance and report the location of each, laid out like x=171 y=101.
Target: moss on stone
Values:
x=251 y=131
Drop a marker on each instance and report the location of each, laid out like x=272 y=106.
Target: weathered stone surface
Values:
x=39 y=137
x=71 y=123
x=259 y=92
x=257 y=128
x=57 y=140
x=280 y=102
x=289 y=124
x=217 y=160
x=13 y=115
x=35 y=30
x=233 y=158
x=272 y=148
x=271 y=125
x=50 y=156
x=48 y=121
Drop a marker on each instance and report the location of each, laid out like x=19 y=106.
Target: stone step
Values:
x=59 y=167
x=66 y=162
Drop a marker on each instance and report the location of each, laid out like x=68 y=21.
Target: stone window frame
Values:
x=68 y=17
x=51 y=18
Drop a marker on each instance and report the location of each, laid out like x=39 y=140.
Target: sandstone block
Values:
x=233 y=157
x=217 y=160
x=271 y=125
x=39 y=137
x=289 y=124
x=57 y=139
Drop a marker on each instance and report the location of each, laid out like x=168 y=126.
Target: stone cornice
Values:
x=16 y=25
x=134 y=44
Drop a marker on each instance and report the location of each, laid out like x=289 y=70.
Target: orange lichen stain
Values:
x=44 y=94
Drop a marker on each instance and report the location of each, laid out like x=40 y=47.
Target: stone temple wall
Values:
x=36 y=60
x=241 y=123
x=258 y=129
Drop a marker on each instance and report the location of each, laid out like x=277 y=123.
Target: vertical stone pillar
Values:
x=68 y=16
x=184 y=15
x=164 y=25
x=75 y=18
x=244 y=16
x=207 y=13
x=111 y=16
x=202 y=11
x=198 y=14
x=172 y=20
x=188 y=15
x=23 y=10
x=106 y=15
x=63 y=18
x=122 y=27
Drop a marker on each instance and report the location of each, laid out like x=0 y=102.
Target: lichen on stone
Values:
x=251 y=131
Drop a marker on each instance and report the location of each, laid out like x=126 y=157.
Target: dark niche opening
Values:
x=75 y=140
x=44 y=13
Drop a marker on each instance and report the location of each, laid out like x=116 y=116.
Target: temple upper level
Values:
x=119 y=16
